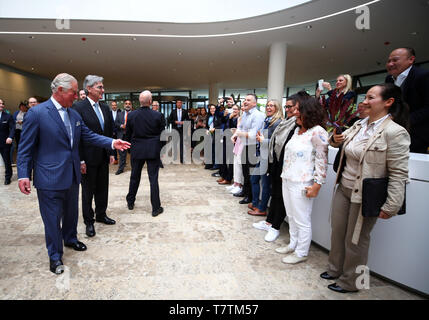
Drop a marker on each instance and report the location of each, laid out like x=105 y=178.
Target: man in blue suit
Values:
x=50 y=138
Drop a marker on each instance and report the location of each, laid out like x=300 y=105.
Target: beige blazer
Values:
x=385 y=155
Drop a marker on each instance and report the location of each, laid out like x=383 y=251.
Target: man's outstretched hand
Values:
x=119 y=144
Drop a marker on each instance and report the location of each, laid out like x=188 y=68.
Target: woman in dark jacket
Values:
x=258 y=207
x=213 y=122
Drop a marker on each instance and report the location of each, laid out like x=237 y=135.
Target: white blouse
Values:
x=306 y=156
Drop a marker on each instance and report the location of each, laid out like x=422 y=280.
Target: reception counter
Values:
x=399 y=246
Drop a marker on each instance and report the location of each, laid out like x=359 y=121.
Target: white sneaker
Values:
x=293 y=259
x=262 y=225
x=229 y=188
x=285 y=250
x=272 y=235
x=236 y=190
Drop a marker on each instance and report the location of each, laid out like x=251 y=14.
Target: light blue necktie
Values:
x=67 y=124
x=100 y=118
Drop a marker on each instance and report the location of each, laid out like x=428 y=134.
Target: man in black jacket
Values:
x=415 y=88
x=94 y=160
x=7 y=132
x=177 y=118
x=144 y=127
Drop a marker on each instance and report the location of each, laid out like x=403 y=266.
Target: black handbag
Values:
x=374 y=195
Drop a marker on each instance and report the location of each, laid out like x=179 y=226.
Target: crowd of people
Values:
x=276 y=160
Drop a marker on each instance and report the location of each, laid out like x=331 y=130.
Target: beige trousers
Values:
x=344 y=256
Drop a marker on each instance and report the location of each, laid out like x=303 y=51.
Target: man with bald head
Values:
x=144 y=127
x=414 y=83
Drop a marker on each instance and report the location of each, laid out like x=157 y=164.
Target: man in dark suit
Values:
x=144 y=127
x=95 y=160
x=115 y=112
x=50 y=142
x=7 y=132
x=415 y=88
x=120 y=125
x=176 y=119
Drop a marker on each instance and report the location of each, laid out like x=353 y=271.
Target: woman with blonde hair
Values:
x=274 y=115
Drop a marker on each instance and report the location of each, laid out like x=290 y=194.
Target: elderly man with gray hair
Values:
x=95 y=160
x=51 y=136
x=143 y=130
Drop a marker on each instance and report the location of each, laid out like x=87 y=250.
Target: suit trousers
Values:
x=122 y=160
x=246 y=166
x=5 y=153
x=298 y=209
x=95 y=185
x=59 y=211
x=152 y=170
x=344 y=256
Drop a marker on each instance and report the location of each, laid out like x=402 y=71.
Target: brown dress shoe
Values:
x=256 y=212
x=115 y=162
x=250 y=206
x=225 y=182
x=220 y=180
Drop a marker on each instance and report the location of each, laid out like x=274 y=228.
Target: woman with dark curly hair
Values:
x=304 y=171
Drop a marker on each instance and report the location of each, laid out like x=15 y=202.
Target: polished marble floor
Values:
x=202 y=247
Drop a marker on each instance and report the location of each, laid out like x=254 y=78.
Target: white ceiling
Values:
x=139 y=55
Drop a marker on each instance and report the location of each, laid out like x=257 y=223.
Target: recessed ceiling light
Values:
x=179 y=53
x=323 y=47
x=309 y=27
x=414 y=33
x=233 y=42
x=31 y=37
x=13 y=61
x=134 y=38
x=97 y=51
x=32 y=68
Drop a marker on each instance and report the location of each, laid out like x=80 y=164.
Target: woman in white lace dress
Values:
x=304 y=171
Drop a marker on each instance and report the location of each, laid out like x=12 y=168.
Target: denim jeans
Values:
x=266 y=190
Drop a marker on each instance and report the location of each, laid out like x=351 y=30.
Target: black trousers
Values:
x=122 y=160
x=181 y=143
x=226 y=170
x=95 y=185
x=246 y=165
x=152 y=171
x=277 y=213
x=5 y=154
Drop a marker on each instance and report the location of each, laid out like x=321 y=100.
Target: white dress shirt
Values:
x=401 y=78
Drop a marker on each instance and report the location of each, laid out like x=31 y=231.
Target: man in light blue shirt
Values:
x=252 y=121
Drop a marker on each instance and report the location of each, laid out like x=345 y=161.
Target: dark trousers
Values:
x=5 y=154
x=181 y=143
x=246 y=166
x=17 y=138
x=122 y=160
x=277 y=213
x=152 y=171
x=59 y=210
x=95 y=185
x=226 y=170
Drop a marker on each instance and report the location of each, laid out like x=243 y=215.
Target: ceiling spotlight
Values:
x=31 y=37
x=32 y=68
x=134 y=38
x=97 y=51
x=179 y=53
x=13 y=61
x=414 y=33
x=233 y=42
x=309 y=26
x=323 y=47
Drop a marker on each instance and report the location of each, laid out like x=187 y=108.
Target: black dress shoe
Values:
x=7 y=181
x=245 y=201
x=337 y=288
x=326 y=276
x=216 y=174
x=157 y=212
x=213 y=168
x=105 y=220
x=90 y=230
x=56 y=266
x=240 y=195
x=78 y=246
x=130 y=206
x=119 y=172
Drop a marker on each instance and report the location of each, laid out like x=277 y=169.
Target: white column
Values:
x=277 y=71
x=213 y=93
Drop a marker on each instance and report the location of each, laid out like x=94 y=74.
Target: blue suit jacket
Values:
x=45 y=140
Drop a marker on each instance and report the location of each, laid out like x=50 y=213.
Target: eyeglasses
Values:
x=288 y=107
x=271 y=105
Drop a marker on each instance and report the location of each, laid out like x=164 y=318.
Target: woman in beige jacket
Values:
x=375 y=147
